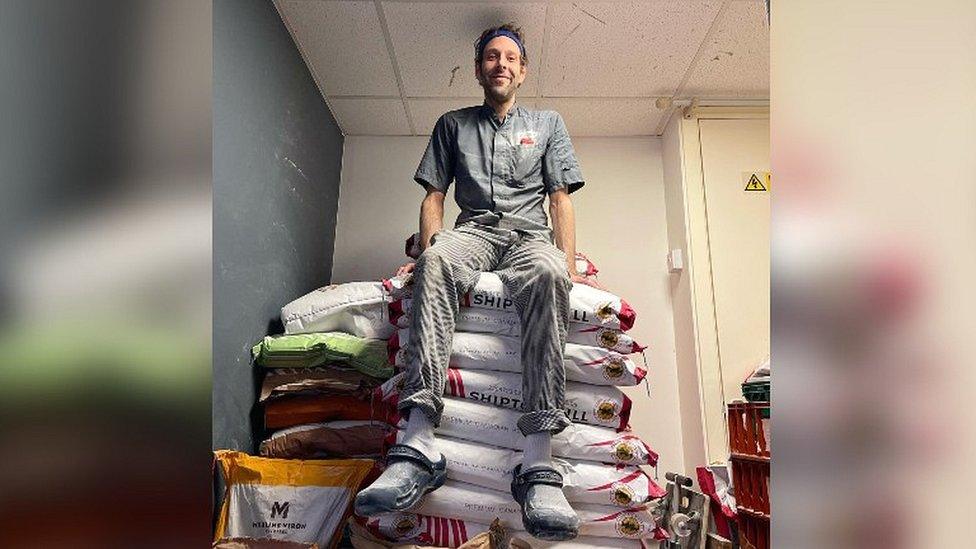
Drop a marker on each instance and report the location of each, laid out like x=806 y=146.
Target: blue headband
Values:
x=496 y=34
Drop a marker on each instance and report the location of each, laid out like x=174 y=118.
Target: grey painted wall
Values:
x=277 y=154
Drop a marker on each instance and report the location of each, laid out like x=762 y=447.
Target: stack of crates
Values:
x=749 y=438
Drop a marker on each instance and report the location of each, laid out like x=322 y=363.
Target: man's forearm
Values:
x=431 y=217
x=564 y=226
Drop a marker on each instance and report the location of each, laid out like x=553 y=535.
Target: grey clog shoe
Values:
x=409 y=475
x=540 y=518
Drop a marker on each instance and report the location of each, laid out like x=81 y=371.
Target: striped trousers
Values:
x=535 y=275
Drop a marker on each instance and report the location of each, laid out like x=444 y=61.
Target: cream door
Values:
x=738 y=242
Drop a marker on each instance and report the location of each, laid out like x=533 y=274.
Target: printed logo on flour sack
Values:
x=404 y=525
x=279 y=510
x=614 y=368
x=604 y=311
x=606 y=410
x=628 y=526
x=623 y=495
x=608 y=338
x=623 y=452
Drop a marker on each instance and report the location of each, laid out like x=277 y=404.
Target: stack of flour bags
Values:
x=317 y=401
x=598 y=456
x=320 y=376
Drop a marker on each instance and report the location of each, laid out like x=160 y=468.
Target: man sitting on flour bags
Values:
x=505 y=159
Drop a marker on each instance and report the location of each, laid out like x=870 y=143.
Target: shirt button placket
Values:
x=502 y=152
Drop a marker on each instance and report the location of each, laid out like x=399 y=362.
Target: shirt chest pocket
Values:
x=527 y=164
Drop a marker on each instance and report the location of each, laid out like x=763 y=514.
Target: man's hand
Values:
x=589 y=281
x=406 y=268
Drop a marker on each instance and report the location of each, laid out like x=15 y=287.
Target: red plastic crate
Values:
x=749 y=443
x=750 y=480
x=748 y=429
x=754 y=528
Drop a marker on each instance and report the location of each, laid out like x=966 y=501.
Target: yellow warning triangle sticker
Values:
x=755 y=184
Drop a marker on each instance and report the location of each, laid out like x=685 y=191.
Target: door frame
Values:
x=708 y=357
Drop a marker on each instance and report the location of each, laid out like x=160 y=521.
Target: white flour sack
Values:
x=427 y=531
x=587 y=304
x=583 y=481
x=422 y=530
x=506 y=323
x=475 y=422
x=469 y=502
x=595 y=405
x=357 y=308
x=593 y=365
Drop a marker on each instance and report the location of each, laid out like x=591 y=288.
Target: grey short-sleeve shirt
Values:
x=503 y=170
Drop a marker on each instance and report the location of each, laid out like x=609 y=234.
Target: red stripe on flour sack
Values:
x=639 y=373
x=464 y=530
x=614 y=441
x=460 y=382
x=627 y=316
x=651 y=454
x=625 y=414
x=451 y=384
x=609 y=517
x=624 y=480
x=392 y=346
x=654 y=490
x=457 y=533
x=446 y=529
x=396 y=310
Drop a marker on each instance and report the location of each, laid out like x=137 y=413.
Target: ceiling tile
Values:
x=344 y=44
x=439 y=60
x=623 y=48
x=425 y=112
x=735 y=60
x=370 y=116
x=606 y=117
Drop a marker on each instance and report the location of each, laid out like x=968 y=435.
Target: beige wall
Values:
x=621 y=225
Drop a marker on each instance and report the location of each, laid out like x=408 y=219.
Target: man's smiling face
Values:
x=501 y=71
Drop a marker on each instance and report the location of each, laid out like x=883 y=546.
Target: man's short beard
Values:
x=494 y=95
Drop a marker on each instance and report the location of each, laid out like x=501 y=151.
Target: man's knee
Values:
x=549 y=269
x=433 y=256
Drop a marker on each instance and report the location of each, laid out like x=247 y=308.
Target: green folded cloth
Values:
x=368 y=356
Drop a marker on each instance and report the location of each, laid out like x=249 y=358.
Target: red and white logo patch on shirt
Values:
x=527 y=139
